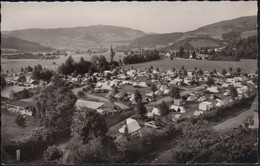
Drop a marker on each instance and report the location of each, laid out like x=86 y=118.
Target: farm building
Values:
x=205 y=106
x=132 y=126
x=20 y=107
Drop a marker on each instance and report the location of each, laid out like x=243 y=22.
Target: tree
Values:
x=22 y=70
x=200 y=72
x=20 y=121
x=182 y=68
x=175 y=92
x=55 y=105
x=91 y=152
x=173 y=69
x=88 y=124
x=37 y=72
x=238 y=70
x=224 y=72
x=140 y=108
x=137 y=95
x=53 y=153
x=164 y=109
x=153 y=87
x=28 y=69
x=112 y=54
x=214 y=71
x=233 y=92
x=3 y=81
x=120 y=62
x=181 y=52
x=210 y=81
x=230 y=69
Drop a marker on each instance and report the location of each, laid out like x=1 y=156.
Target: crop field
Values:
x=246 y=65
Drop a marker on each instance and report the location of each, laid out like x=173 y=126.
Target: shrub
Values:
x=20 y=121
x=80 y=94
x=53 y=153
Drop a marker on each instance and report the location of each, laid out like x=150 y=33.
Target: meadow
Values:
x=246 y=65
x=16 y=64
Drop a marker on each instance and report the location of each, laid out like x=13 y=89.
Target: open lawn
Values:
x=10 y=130
x=246 y=65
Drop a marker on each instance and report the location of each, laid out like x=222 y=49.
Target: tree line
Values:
x=143 y=56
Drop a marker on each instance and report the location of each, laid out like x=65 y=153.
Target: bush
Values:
x=20 y=121
x=53 y=153
x=81 y=94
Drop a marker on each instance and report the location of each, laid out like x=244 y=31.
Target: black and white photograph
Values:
x=156 y=82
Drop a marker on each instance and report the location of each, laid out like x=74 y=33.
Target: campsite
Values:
x=129 y=83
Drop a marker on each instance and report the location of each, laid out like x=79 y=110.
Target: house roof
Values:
x=19 y=103
x=88 y=104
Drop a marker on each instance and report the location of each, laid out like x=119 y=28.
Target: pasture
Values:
x=246 y=65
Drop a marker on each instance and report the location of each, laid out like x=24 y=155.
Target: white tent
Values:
x=183 y=111
x=166 y=91
x=213 y=89
x=106 y=87
x=226 y=93
x=237 y=84
x=151 y=94
x=158 y=92
x=155 y=111
x=198 y=113
x=205 y=106
x=220 y=103
x=192 y=98
x=174 y=107
x=132 y=126
x=202 y=98
x=143 y=84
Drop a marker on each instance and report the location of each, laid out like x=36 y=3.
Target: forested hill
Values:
x=9 y=42
x=206 y=36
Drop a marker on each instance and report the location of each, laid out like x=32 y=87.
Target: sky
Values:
x=157 y=17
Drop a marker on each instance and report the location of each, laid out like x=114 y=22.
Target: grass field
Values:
x=10 y=130
x=246 y=65
x=16 y=64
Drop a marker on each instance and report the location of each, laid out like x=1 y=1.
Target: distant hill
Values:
x=95 y=36
x=210 y=35
x=13 y=43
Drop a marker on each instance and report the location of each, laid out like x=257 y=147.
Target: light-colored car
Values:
x=150 y=124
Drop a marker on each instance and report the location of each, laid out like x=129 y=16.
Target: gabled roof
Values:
x=88 y=104
x=19 y=103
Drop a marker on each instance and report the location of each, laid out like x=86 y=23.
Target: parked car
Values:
x=151 y=124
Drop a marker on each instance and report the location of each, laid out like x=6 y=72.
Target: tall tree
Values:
x=88 y=124
x=164 y=109
x=112 y=54
x=140 y=108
